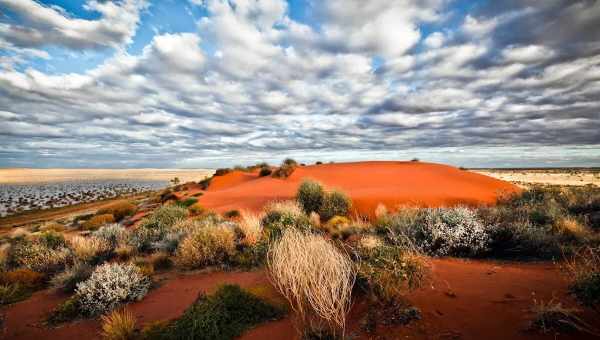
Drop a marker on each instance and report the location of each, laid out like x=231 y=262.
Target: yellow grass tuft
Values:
x=250 y=227
x=118 y=325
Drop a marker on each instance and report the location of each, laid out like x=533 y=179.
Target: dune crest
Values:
x=367 y=183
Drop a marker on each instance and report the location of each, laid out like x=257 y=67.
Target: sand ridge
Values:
x=367 y=183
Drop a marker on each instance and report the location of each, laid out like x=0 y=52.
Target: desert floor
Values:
x=545 y=176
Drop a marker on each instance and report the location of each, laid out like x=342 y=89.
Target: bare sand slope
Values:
x=18 y=176
x=367 y=183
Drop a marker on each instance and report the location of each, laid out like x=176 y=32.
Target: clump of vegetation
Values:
x=25 y=277
x=387 y=272
x=250 y=228
x=584 y=270
x=188 y=202
x=68 y=279
x=11 y=293
x=109 y=286
x=38 y=256
x=97 y=221
x=155 y=227
x=315 y=277
x=118 y=325
x=232 y=214
x=310 y=196
x=114 y=234
x=206 y=246
x=335 y=203
x=265 y=171
x=286 y=168
x=222 y=171
x=553 y=316
x=224 y=315
x=66 y=311
x=90 y=249
x=281 y=215
x=119 y=210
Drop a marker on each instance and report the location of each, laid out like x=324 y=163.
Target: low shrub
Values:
x=164 y=217
x=524 y=240
x=68 y=279
x=250 y=228
x=119 y=210
x=310 y=196
x=205 y=183
x=119 y=325
x=196 y=209
x=449 y=232
x=38 y=257
x=188 y=202
x=25 y=277
x=336 y=225
x=206 y=246
x=388 y=272
x=52 y=239
x=335 y=203
x=161 y=261
x=113 y=233
x=110 y=285
x=52 y=226
x=14 y=292
x=97 y=221
x=553 y=316
x=584 y=270
x=224 y=315
x=570 y=229
x=66 y=311
x=90 y=249
x=222 y=171
x=315 y=277
x=286 y=168
x=283 y=215
x=265 y=171
x=232 y=214
x=156 y=330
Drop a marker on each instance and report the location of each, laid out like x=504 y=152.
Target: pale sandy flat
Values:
x=17 y=176
x=551 y=176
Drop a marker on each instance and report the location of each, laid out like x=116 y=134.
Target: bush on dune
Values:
x=315 y=277
x=38 y=256
x=68 y=279
x=89 y=249
x=155 y=227
x=109 y=286
x=335 y=203
x=310 y=196
x=286 y=169
x=25 y=277
x=281 y=215
x=118 y=325
x=119 y=210
x=113 y=233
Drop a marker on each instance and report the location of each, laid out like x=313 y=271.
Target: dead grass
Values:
x=86 y=248
x=315 y=277
x=553 y=316
x=250 y=227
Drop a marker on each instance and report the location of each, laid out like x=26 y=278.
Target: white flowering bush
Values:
x=451 y=232
x=113 y=233
x=109 y=286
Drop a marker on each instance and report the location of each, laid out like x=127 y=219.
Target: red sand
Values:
x=367 y=183
x=489 y=300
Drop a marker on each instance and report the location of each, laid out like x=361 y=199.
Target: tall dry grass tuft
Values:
x=315 y=277
x=250 y=227
x=118 y=325
x=285 y=207
x=86 y=248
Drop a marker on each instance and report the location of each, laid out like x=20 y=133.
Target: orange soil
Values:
x=367 y=183
x=465 y=299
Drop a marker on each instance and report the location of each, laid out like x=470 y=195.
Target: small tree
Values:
x=310 y=196
x=175 y=181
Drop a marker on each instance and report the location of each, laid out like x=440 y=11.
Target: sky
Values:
x=211 y=83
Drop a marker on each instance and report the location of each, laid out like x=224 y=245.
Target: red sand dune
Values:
x=367 y=183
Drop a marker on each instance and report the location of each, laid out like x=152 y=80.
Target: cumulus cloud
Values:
x=360 y=81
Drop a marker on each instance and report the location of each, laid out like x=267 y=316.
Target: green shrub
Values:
x=165 y=216
x=286 y=168
x=205 y=183
x=66 y=311
x=188 y=202
x=310 y=196
x=14 y=292
x=224 y=315
x=232 y=213
x=222 y=171
x=265 y=171
x=37 y=256
x=334 y=203
x=587 y=290
x=68 y=279
x=52 y=239
x=388 y=272
x=275 y=222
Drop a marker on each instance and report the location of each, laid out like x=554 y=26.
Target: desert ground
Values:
x=362 y=250
x=574 y=176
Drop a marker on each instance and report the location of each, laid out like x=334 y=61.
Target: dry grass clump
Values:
x=118 y=325
x=22 y=276
x=206 y=246
x=38 y=256
x=52 y=226
x=97 y=221
x=553 y=316
x=119 y=209
x=315 y=277
x=570 y=228
x=250 y=227
x=289 y=207
x=87 y=248
x=584 y=270
x=381 y=211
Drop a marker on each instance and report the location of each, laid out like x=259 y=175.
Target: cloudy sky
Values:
x=205 y=83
